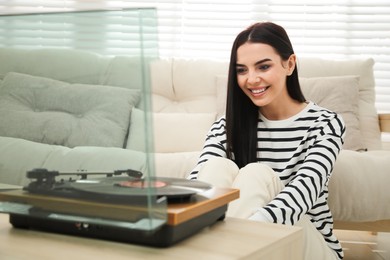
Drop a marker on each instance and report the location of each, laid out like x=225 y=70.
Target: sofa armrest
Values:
x=384 y=122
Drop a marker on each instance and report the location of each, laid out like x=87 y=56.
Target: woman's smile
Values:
x=257 y=92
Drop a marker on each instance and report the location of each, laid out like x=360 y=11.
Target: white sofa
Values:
x=72 y=124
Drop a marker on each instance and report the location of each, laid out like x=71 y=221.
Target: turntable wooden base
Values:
x=177 y=212
x=183 y=220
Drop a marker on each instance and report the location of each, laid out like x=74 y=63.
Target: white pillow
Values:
x=368 y=116
x=358 y=187
x=221 y=82
x=339 y=94
x=175 y=165
x=177 y=89
x=55 y=112
x=172 y=132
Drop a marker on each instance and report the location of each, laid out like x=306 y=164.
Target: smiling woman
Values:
x=275 y=146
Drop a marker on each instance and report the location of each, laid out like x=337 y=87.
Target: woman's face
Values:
x=261 y=74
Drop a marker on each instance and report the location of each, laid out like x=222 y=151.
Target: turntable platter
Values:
x=124 y=186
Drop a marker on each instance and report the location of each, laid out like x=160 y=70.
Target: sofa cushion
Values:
x=173 y=132
x=54 y=112
x=73 y=66
x=368 y=117
x=341 y=95
x=19 y=156
x=185 y=85
x=358 y=186
x=124 y=71
x=176 y=165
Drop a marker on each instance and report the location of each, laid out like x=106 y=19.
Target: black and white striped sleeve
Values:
x=304 y=190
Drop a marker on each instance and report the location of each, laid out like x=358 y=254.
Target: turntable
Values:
x=121 y=206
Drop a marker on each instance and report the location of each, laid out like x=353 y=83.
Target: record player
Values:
x=123 y=206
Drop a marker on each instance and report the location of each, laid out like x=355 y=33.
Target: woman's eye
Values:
x=240 y=70
x=264 y=67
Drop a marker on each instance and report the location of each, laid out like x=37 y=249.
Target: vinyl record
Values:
x=128 y=187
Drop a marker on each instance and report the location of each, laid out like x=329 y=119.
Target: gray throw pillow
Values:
x=55 y=112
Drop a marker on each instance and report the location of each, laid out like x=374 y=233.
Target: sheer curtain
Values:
x=206 y=28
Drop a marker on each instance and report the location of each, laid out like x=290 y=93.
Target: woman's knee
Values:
x=262 y=175
x=220 y=163
x=219 y=172
x=258 y=170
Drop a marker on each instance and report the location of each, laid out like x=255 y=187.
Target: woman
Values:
x=273 y=145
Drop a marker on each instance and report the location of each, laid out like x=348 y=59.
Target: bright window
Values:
x=206 y=28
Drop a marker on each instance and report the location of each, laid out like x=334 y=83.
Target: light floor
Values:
x=363 y=245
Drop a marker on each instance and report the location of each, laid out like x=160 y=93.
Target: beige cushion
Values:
x=173 y=132
x=358 y=188
x=368 y=117
x=178 y=165
x=189 y=84
x=341 y=95
x=55 y=112
x=221 y=82
x=185 y=85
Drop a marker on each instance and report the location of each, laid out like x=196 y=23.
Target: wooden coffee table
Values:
x=228 y=239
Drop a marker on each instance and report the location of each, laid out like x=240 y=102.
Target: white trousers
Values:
x=258 y=185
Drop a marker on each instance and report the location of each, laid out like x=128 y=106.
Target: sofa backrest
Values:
x=181 y=85
x=199 y=86
x=73 y=66
x=187 y=94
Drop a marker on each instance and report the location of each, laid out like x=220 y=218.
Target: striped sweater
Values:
x=302 y=151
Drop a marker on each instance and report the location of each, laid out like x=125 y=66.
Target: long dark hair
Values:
x=241 y=114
